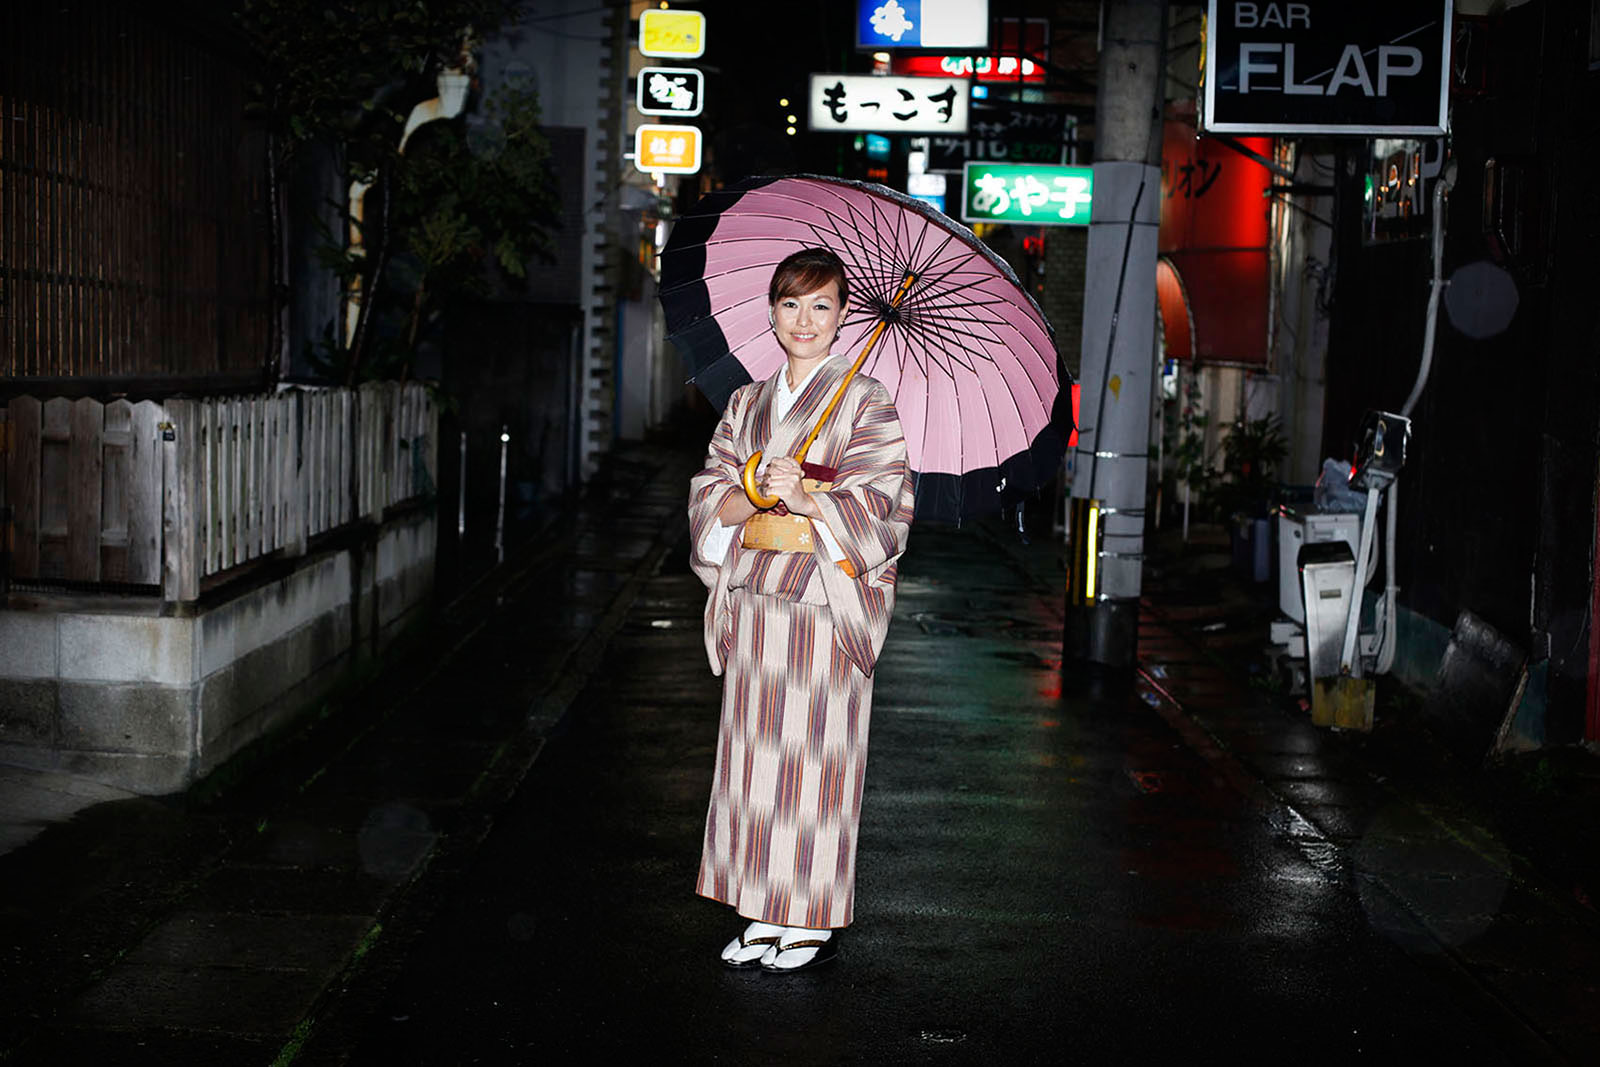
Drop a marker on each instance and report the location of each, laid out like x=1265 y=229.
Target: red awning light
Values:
x=1072 y=441
x=1177 y=322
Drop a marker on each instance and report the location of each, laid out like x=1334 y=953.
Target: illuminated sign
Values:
x=865 y=102
x=1035 y=195
x=1007 y=133
x=984 y=68
x=667 y=149
x=1327 y=66
x=1018 y=47
x=1214 y=235
x=672 y=34
x=960 y=24
x=927 y=185
x=670 y=91
x=1399 y=185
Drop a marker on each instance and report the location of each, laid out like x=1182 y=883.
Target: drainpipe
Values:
x=1391 y=590
x=452 y=87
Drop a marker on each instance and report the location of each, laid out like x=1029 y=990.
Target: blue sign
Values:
x=877 y=146
x=935 y=202
x=956 y=24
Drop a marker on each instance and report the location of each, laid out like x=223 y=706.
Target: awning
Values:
x=1213 y=245
x=1177 y=324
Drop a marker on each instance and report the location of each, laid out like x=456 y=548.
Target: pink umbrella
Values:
x=967 y=355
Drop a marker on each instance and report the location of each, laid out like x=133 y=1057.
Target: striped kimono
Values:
x=796 y=638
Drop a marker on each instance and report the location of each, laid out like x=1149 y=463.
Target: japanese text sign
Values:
x=922 y=24
x=1005 y=134
x=1327 y=66
x=670 y=91
x=1034 y=195
x=1012 y=58
x=672 y=34
x=667 y=149
x=983 y=68
x=888 y=105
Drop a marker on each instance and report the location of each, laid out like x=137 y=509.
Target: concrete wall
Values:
x=570 y=50
x=112 y=689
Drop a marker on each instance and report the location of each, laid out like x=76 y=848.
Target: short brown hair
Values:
x=806 y=271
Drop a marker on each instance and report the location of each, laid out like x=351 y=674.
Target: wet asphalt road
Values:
x=1045 y=876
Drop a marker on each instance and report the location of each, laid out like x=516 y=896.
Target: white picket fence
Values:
x=168 y=494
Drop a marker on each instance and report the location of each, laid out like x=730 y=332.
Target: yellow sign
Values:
x=675 y=34
x=667 y=149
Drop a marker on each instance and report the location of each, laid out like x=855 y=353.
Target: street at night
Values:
x=875 y=531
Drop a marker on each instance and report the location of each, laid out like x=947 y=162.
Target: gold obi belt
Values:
x=779 y=530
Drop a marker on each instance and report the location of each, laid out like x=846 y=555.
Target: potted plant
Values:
x=1247 y=487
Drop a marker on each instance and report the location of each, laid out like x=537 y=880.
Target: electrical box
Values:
x=1296 y=532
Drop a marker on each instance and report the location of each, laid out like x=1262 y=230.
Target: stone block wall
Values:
x=112 y=689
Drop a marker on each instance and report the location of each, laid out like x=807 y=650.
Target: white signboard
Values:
x=922 y=24
x=671 y=91
x=865 y=102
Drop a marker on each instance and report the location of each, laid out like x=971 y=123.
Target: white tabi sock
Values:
x=756 y=939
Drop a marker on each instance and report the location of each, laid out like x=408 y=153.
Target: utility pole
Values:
x=1117 y=361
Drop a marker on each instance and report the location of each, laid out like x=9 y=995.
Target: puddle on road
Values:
x=1147 y=781
x=1309 y=841
x=943 y=1037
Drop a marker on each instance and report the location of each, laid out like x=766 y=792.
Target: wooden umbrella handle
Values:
x=750 y=489
x=749 y=479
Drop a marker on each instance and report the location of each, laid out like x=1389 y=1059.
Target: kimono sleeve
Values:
x=713 y=484
x=868 y=511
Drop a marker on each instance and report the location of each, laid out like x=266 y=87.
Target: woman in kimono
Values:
x=796 y=633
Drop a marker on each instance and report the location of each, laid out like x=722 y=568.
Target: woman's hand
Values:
x=782 y=479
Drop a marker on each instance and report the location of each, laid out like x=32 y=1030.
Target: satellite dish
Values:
x=1481 y=299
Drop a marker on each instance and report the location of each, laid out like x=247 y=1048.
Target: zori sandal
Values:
x=744 y=951
x=823 y=950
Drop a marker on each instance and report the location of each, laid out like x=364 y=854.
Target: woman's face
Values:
x=806 y=325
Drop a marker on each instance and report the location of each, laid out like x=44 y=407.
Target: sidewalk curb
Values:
x=1516 y=1028
x=356 y=994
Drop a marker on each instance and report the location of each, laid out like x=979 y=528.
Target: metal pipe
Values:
x=1390 y=643
x=461 y=505
x=1441 y=187
x=500 y=519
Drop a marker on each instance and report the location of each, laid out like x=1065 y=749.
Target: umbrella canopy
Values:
x=967 y=355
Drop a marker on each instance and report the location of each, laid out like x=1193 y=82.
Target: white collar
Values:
x=788 y=395
x=785 y=398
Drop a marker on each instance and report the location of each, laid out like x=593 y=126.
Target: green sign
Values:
x=1031 y=194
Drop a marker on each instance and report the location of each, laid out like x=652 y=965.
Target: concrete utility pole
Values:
x=1117 y=359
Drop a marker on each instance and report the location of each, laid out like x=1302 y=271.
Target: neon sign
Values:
x=985 y=68
x=1032 y=195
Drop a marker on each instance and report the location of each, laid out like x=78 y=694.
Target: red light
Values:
x=1033 y=246
x=1072 y=441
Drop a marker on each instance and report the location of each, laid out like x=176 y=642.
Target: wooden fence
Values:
x=170 y=494
x=135 y=239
